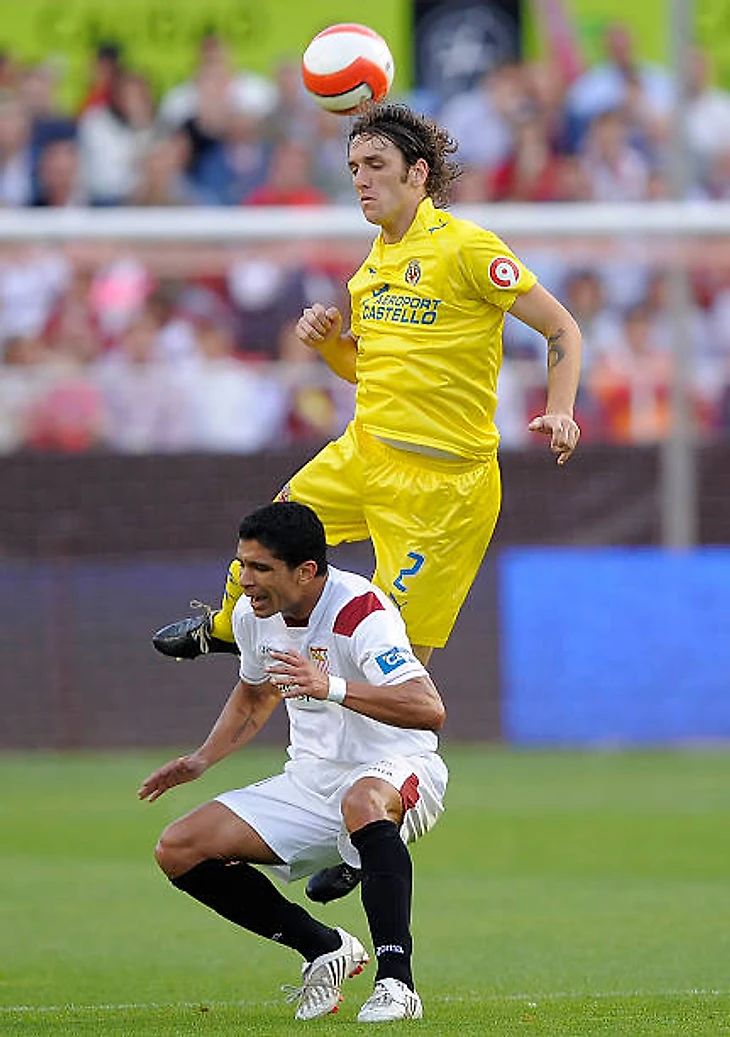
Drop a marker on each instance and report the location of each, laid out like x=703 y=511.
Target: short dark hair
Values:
x=415 y=136
x=291 y=531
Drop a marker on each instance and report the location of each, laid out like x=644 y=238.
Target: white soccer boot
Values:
x=322 y=978
x=389 y=1001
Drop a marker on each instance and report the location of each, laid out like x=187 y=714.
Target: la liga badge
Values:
x=504 y=272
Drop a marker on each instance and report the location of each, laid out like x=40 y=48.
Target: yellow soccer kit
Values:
x=428 y=314
x=430 y=521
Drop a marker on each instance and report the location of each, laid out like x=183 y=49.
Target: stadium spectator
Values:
x=615 y=170
x=235 y=406
x=114 y=137
x=714 y=184
x=708 y=113
x=73 y=329
x=482 y=118
x=471 y=187
x=163 y=178
x=32 y=284
x=145 y=398
x=68 y=417
x=327 y=145
x=363 y=780
x=288 y=181
x=60 y=182
x=37 y=88
x=532 y=171
x=268 y=299
x=228 y=167
x=242 y=91
x=295 y=114
x=604 y=88
x=601 y=326
x=632 y=384
x=16 y=158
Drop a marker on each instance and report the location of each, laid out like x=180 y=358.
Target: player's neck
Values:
x=299 y=615
x=396 y=229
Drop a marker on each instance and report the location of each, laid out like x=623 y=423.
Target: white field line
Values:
x=474 y=998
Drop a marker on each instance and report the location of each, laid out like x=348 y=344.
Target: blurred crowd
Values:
x=119 y=355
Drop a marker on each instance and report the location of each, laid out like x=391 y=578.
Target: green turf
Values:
x=562 y=893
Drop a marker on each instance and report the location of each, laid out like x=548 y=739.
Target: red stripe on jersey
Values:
x=409 y=792
x=354 y=612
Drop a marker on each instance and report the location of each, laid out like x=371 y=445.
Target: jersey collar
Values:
x=425 y=217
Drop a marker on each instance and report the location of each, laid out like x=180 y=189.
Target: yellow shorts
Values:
x=430 y=521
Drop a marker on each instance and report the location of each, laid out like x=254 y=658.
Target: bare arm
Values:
x=542 y=311
x=321 y=329
x=248 y=708
x=414 y=703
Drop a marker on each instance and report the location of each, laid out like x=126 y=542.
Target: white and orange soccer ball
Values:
x=346 y=66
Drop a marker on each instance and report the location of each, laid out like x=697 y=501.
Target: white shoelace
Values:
x=201 y=634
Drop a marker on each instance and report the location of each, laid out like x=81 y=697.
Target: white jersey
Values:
x=354 y=632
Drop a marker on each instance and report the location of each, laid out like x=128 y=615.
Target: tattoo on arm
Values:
x=243 y=729
x=555 y=350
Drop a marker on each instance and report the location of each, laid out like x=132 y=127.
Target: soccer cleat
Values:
x=332 y=883
x=207 y=634
x=390 y=1000
x=322 y=978
x=192 y=637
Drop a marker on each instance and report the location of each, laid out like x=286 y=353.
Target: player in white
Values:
x=363 y=778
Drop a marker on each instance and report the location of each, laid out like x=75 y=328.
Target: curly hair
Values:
x=415 y=136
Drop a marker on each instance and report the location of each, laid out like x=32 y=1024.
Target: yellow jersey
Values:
x=428 y=313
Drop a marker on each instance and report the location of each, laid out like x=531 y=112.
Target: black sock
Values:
x=387 y=879
x=244 y=895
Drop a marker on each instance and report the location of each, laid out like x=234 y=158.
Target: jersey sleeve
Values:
x=382 y=652
x=251 y=669
x=494 y=270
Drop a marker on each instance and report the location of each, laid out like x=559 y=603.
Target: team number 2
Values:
x=418 y=561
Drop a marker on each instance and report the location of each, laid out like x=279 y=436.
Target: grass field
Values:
x=562 y=893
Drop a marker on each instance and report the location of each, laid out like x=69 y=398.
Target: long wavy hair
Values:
x=415 y=136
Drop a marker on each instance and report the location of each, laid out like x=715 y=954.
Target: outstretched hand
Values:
x=176 y=772
x=563 y=431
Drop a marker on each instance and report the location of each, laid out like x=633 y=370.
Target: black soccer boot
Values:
x=333 y=883
x=192 y=637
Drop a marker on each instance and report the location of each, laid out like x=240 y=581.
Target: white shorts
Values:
x=298 y=813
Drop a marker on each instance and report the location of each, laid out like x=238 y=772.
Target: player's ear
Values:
x=307 y=572
x=418 y=173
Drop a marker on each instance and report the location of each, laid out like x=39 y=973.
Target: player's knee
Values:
x=363 y=803
x=172 y=851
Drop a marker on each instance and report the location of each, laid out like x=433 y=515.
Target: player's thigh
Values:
x=300 y=826
x=332 y=484
x=430 y=527
x=419 y=784
x=214 y=831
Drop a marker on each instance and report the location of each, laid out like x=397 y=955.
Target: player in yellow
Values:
x=416 y=471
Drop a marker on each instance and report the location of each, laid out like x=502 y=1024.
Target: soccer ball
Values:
x=347 y=65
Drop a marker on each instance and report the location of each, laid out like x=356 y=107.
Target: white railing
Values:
x=241 y=225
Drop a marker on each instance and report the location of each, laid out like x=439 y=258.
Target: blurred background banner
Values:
x=640 y=654
x=161 y=39
x=457 y=41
